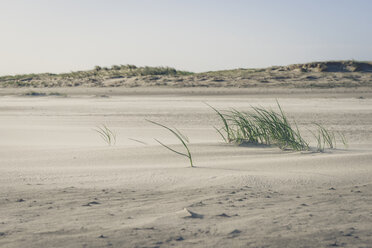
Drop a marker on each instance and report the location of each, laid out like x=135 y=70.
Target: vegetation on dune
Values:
x=269 y=127
x=98 y=74
x=328 y=74
x=124 y=71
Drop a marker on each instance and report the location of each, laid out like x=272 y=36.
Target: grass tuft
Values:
x=343 y=139
x=324 y=137
x=269 y=127
x=106 y=134
x=184 y=140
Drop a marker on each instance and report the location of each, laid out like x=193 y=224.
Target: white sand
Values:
x=78 y=192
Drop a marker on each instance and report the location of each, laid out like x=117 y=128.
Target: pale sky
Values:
x=195 y=35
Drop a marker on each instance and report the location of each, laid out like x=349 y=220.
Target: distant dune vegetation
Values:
x=328 y=74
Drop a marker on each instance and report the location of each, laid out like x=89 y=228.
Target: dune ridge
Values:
x=328 y=74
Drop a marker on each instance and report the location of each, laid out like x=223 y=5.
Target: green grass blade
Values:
x=180 y=153
x=179 y=137
x=139 y=141
x=106 y=134
x=219 y=131
x=223 y=120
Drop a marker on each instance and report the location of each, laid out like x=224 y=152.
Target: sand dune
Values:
x=320 y=75
x=62 y=186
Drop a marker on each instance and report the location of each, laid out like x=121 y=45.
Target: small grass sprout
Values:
x=343 y=139
x=184 y=140
x=325 y=138
x=106 y=134
x=138 y=141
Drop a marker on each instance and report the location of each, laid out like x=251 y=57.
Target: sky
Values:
x=195 y=35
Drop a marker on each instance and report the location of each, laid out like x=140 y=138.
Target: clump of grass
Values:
x=106 y=134
x=269 y=127
x=184 y=140
x=261 y=126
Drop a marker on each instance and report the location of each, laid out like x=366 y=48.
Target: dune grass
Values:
x=138 y=141
x=269 y=127
x=184 y=140
x=326 y=138
x=106 y=134
x=343 y=139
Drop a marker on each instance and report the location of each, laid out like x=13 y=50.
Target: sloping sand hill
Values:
x=333 y=74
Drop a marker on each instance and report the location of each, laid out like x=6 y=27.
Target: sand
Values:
x=62 y=186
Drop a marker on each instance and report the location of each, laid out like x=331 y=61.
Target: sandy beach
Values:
x=62 y=186
x=191 y=124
